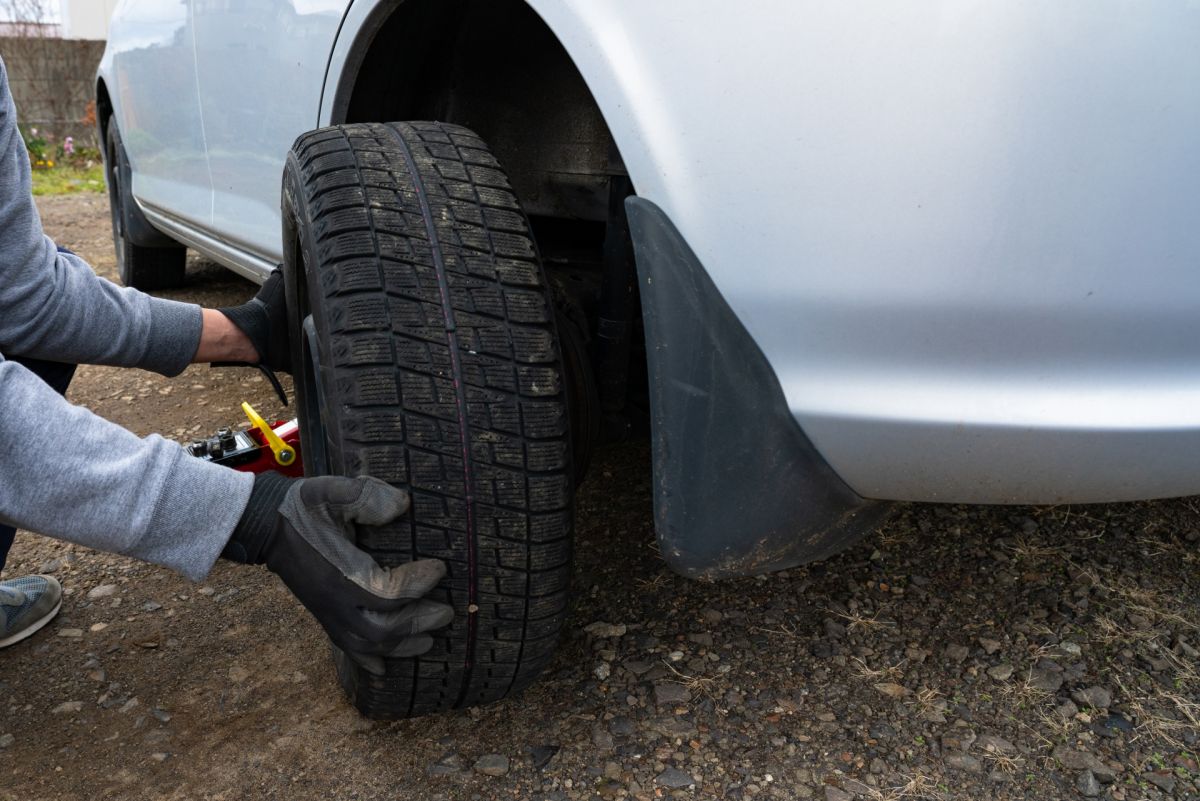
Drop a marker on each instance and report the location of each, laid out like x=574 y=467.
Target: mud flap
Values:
x=738 y=487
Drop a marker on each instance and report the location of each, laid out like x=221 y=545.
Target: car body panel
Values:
x=963 y=234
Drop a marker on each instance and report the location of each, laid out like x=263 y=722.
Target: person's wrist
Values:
x=255 y=529
x=222 y=341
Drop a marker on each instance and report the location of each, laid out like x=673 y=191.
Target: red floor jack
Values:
x=259 y=448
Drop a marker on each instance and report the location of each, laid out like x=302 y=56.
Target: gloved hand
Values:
x=302 y=529
x=264 y=320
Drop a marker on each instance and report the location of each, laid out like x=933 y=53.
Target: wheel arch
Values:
x=494 y=66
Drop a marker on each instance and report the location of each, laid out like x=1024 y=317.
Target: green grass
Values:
x=65 y=180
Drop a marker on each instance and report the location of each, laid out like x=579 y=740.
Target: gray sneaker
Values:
x=26 y=604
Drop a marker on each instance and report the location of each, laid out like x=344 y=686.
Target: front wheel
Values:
x=427 y=356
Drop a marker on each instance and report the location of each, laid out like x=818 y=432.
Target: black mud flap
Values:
x=738 y=487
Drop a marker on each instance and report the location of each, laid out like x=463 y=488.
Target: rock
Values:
x=601 y=738
x=1082 y=760
x=711 y=616
x=159 y=756
x=1070 y=649
x=101 y=591
x=674 y=778
x=67 y=707
x=6 y=740
x=96 y=627
x=602 y=629
x=1001 y=672
x=128 y=706
x=492 y=765
x=449 y=765
x=958 y=739
x=1047 y=681
x=703 y=639
x=161 y=715
x=670 y=693
x=1162 y=780
x=602 y=671
x=151 y=606
x=71 y=634
x=990 y=646
x=542 y=754
x=891 y=689
x=991 y=744
x=957 y=653
x=98 y=675
x=1111 y=725
x=622 y=726
x=882 y=731
x=1093 y=697
x=1088 y=784
x=835 y=794
x=1066 y=710
x=963 y=762
x=238 y=674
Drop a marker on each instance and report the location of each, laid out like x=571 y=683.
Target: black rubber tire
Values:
x=426 y=355
x=141 y=267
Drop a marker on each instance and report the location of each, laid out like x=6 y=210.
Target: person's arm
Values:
x=70 y=474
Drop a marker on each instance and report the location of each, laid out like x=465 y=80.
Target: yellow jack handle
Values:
x=284 y=454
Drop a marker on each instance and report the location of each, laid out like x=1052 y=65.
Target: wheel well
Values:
x=497 y=68
x=104 y=110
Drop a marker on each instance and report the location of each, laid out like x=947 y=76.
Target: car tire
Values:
x=139 y=266
x=426 y=355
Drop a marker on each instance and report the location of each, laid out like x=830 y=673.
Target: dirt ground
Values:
x=960 y=653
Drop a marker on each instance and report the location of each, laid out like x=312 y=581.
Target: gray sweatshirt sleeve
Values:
x=72 y=475
x=64 y=471
x=53 y=306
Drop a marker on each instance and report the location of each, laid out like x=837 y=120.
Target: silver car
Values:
x=828 y=255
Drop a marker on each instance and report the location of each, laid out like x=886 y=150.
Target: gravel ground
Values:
x=961 y=652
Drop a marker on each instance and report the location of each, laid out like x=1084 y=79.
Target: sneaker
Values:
x=26 y=604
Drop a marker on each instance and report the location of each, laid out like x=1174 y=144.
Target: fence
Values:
x=53 y=81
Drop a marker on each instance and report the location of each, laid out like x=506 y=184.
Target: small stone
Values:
x=450 y=764
x=991 y=744
x=128 y=706
x=702 y=639
x=151 y=606
x=963 y=762
x=50 y=567
x=957 y=653
x=71 y=634
x=958 y=739
x=1093 y=697
x=990 y=646
x=207 y=591
x=602 y=629
x=601 y=738
x=6 y=740
x=1088 y=784
x=101 y=591
x=492 y=765
x=836 y=794
x=1070 y=649
x=1066 y=710
x=1162 y=780
x=622 y=726
x=67 y=707
x=674 y=778
x=1001 y=672
x=711 y=616
x=159 y=756
x=161 y=715
x=238 y=674
x=602 y=671
x=670 y=693
x=95 y=627
x=542 y=754
x=1045 y=680
x=882 y=731
x=891 y=689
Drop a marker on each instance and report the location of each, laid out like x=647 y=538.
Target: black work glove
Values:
x=264 y=320
x=303 y=530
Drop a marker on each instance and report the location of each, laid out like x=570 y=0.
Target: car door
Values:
x=157 y=108
x=260 y=69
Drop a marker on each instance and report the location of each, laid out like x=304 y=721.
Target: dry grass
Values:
x=887 y=673
x=697 y=685
x=861 y=620
x=917 y=786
